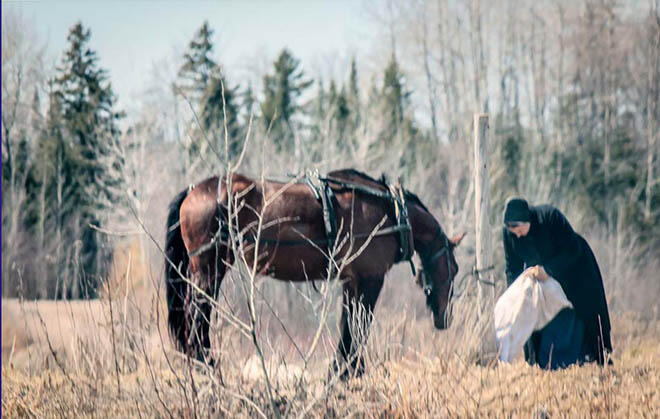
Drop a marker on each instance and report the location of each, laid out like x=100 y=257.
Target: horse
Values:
x=294 y=245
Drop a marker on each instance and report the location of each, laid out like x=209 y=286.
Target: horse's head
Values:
x=439 y=268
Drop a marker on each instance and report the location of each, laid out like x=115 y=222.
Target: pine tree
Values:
x=507 y=155
x=394 y=96
x=202 y=82
x=585 y=163
x=247 y=103
x=332 y=93
x=25 y=162
x=215 y=108
x=198 y=68
x=57 y=160
x=341 y=117
x=90 y=158
x=353 y=98
x=282 y=91
x=318 y=113
x=399 y=127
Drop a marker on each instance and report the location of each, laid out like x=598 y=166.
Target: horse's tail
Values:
x=176 y=268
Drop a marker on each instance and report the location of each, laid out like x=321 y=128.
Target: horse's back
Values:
x=290 y=215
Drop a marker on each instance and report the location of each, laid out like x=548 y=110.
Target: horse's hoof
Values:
x=205 y=359
x=337 y=369
x=343 y=376
x=345 y=372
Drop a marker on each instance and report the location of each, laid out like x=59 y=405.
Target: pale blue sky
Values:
x=130 y=36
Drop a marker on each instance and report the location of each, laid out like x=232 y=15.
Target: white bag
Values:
x=526 y=306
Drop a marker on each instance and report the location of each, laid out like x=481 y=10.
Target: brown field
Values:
x=63 y=359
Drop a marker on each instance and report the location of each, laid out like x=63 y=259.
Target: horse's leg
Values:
x=207 y=275
x=349 y=291
x=359 y=300
x=370 y=289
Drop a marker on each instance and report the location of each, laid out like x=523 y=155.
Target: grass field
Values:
x=63 y=359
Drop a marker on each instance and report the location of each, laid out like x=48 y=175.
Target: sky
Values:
x=131 y=37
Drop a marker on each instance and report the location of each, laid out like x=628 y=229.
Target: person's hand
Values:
x=541 y=274
x=531 y=271
x=537 y=272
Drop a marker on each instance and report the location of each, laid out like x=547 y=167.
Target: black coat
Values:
x=566 y=256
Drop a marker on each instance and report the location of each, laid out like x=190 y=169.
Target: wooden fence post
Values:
x=481 y=207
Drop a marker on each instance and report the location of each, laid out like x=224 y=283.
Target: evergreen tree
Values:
x=213 y=112
x=202 y=82
x=318 y=113
x=395 y=98
x=332 y=93
x=26 y=161
x=60 y=162
x=341 y=117
x=330 y=117
x=58 y=200
x=399 y=128
x=89 y=161
x=282 y=91
x=507 y=155
x=585 y=164
x=198 y=68
x=248 y=101
x=353 y=97
x=320 y=103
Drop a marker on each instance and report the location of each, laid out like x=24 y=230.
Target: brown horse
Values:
x=293 y=245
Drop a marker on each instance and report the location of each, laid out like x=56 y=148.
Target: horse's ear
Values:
x=456 y=240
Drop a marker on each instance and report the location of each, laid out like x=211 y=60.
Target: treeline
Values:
x=571 y=90
x=292 y=110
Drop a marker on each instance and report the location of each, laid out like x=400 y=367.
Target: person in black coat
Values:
x=540 y=238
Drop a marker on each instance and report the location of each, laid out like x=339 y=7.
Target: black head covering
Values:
x=517 y=209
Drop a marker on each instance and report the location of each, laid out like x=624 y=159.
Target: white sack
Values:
x=527 y=305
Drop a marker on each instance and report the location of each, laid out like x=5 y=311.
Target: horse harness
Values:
x=323 y=191
x=428 y=259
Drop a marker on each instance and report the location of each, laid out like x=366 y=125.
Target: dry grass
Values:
x=408 y=387
x=63 y=362
x=113 y=357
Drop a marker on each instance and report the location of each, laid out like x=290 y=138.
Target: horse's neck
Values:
x=425 y=227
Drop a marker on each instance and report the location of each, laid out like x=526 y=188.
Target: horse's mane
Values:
x=411 y=197
x=357 y=176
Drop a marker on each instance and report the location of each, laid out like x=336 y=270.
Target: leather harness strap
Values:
x=396 y=194
x=428 y=259
x=406 y=244
x=324 y=195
